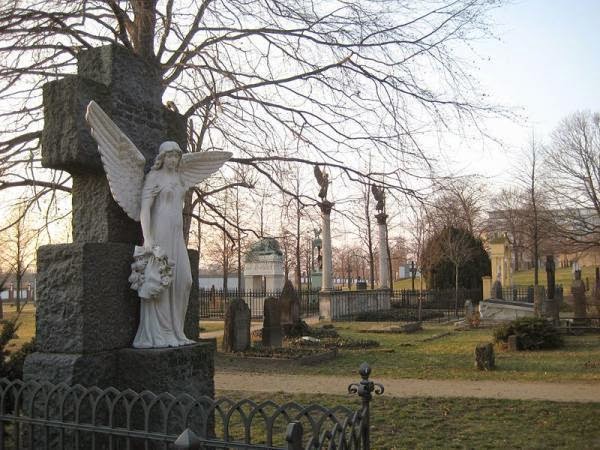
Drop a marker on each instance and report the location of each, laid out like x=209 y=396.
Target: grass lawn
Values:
x=26 y=328
x=406 y=283
x=448 y=356
x=427 y=423
x=564 y=276
x=452 y=356
x=210 y=325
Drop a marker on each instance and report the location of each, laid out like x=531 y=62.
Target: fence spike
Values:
x=188 y=441
x=293 y=436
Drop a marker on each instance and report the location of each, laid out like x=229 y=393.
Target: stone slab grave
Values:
x=87 y=315
x=494 y=311
x=407 y=328
x=272 y=335
x=236 y=335
x=290 y=307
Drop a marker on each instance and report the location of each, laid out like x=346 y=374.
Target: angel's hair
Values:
x=164 y=149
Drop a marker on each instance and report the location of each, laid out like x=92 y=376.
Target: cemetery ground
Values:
x=434 y=367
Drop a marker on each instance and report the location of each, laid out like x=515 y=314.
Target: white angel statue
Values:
x=156 y=201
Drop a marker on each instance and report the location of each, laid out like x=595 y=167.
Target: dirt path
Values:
x=560 y=392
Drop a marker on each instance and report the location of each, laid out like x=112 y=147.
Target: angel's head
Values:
x=169 y=150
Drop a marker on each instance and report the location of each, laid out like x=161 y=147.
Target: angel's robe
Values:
x=162 y=318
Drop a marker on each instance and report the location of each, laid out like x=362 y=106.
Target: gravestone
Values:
x=236 y=336
x=271 y=332
x=484 y=357
x=290 y=305
x=87 y=315
x=579 y=300
x=469 y=309
x=512 y=343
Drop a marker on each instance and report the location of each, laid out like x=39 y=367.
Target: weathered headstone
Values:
x=539 y=294
x=579 y=300
x=469 y=309
x=512 y=343
x=484 y=357
x=290 y=304
x=271 y=332
x=236 y=337
x=550 y=307
x=87 y=315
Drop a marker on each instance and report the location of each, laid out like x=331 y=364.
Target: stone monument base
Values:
x=188 y=369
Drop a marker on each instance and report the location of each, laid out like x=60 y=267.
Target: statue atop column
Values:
x=323 y=180
x=379 y=195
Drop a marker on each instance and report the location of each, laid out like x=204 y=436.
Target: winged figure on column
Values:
x=161 y=270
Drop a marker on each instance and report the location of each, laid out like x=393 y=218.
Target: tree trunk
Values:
x=143 y=31
x=187 y=215
x=298 y=268
x=370 y=243
x=456 y=289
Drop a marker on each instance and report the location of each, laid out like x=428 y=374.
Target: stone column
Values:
x=384 y=263
x=327 y=280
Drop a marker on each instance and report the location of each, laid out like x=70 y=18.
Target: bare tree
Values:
x=17 y=254
x=459 y=203
x=250 y=75
x=510 y=218
x=456 y=247
x=537 y=217
x=573 y=160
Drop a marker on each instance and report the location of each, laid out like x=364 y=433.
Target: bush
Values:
x=532 y=333
x=11 y=364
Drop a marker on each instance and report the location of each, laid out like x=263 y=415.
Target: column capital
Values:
x=326 y=206
x=381 y=218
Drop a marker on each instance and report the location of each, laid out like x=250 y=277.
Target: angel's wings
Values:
x=377 y=192
x=320 y=176
x=122 y=161
x=197 y=166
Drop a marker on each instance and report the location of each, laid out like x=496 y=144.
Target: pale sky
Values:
x=546 y=64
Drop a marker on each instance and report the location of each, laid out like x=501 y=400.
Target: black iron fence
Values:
x=525 y=293
x=346 y=305
x=214 y=303
x=438 y=304
x=45 y=416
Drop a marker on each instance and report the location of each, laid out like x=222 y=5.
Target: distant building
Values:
x=207 y=279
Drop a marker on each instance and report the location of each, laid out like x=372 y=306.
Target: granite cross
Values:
x=87 y=314
x=130 y=91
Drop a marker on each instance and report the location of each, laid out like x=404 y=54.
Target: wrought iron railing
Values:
x=214 y=303
x=525 y=294
x=40 y=416
x=439 y=304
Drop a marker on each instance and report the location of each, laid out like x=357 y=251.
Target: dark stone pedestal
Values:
x=92 y=369
x=85 y=304
x=87 y=317
x=189 y=369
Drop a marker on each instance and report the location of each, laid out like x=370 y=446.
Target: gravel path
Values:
x=560 y=392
